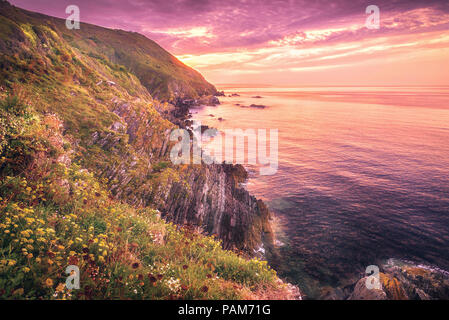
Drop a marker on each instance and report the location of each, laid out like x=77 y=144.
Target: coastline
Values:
x=87 y=179
x=107 y=157
x=320 y=290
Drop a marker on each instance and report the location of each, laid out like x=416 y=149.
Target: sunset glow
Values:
x=288 y=42
x=224 y=150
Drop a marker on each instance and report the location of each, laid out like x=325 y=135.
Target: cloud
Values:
x=251 y=37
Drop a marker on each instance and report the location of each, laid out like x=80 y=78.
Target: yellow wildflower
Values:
x=49 y=282
x=60 y=287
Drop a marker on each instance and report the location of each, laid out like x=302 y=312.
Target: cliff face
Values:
x=215 y=202
x=117 y=129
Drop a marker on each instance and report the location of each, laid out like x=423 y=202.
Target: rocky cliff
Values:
x=217 y=204
x=56 y=214
x=106 y=99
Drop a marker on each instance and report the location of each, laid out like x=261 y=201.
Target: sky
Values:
x=285 y=42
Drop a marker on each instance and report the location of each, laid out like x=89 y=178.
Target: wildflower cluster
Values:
x=54 y=214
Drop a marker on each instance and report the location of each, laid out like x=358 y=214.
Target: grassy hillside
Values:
x=162 y=74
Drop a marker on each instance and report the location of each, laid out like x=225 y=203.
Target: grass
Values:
x=164 y=76
x=53 y=215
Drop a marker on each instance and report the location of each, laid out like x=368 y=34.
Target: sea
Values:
x=362 y=175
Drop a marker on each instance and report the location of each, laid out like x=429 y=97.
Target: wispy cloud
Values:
x=285 y=41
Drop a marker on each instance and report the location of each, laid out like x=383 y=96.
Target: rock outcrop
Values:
x=405 y=281
x=217 y=204
x=361 y=292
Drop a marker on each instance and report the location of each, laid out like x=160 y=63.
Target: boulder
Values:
x=208 y=101
x=361 y=292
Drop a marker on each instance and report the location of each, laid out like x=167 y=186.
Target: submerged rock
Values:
x=257 y=106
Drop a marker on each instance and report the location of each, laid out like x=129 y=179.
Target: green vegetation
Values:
x=54 y=214
x=84 y=165
x=162 y=74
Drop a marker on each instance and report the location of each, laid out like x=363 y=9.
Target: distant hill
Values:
x=165 y=77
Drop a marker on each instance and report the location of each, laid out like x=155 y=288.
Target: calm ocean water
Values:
x=363 y=175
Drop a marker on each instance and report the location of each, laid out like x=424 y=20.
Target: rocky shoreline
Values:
x=207 y=197
x=405 y=281
x=240 y=220
x=398 y=280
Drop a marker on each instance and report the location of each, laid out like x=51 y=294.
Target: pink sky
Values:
x=286 y=42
